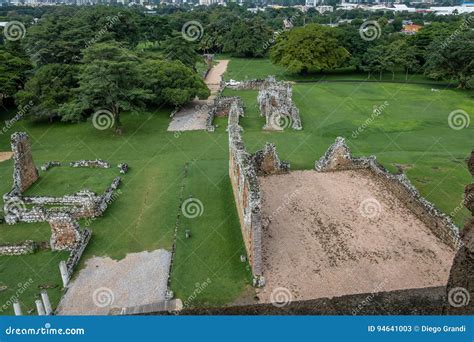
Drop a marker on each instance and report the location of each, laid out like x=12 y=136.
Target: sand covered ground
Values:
x=338 y=233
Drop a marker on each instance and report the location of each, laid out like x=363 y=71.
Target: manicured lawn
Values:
x=412 y=130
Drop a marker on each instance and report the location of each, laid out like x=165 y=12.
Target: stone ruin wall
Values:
x=26 y=247
x=339 y=157
x=25 y=172
x=222 y=107
x=460 y=286
x=244 y=169
x=246 y=190
x=276 y=105
x=83 y=204
x=254 y=84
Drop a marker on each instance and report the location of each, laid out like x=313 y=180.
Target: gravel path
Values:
x=338 y=233
x=138 y=279
x=193 y=116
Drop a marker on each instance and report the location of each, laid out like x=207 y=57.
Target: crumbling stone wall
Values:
x=339 y=157
x=222 y=107
x=247 y=197
x=83 y=204
x=244 y=169
x=267 y=162
x=276 y=105
x=254 y=84
x=25 y=172
x=26 y=247
x=65 y=231
x=78 y=250
x=460 y=288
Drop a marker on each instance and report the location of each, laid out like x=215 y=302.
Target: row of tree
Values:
x=441 y=51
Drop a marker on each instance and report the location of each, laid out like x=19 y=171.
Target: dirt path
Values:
x=193 y=116
x=5 y=156
x=103 y=284
x=339 y=233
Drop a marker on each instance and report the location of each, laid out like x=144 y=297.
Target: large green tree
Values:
x=312 y=48
x=48 y=89
x=172 y=83
x=177 y=48
x=110 y=80
x=452 y=59
x=248 y=38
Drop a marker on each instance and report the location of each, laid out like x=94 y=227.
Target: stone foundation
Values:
x=27 y=247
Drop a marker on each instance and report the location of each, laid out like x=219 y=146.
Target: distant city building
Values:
x=325 y=8
x=211 y=2
x=411 y=28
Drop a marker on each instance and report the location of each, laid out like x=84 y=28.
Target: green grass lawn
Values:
x=413 y=130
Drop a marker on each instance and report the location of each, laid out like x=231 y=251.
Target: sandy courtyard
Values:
x=337 y=233
x=139 y=279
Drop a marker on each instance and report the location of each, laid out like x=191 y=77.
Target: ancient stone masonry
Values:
x=25 y=172
x=46 y=166
x=460 y=288
x=98 y=163
x=267 y=162
x=243 y=171
x=65 y=231
x=26 y=247
x=339 y=157
x=221 y=107
x=276 y=105
x=245 y=85
x=77 y=251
